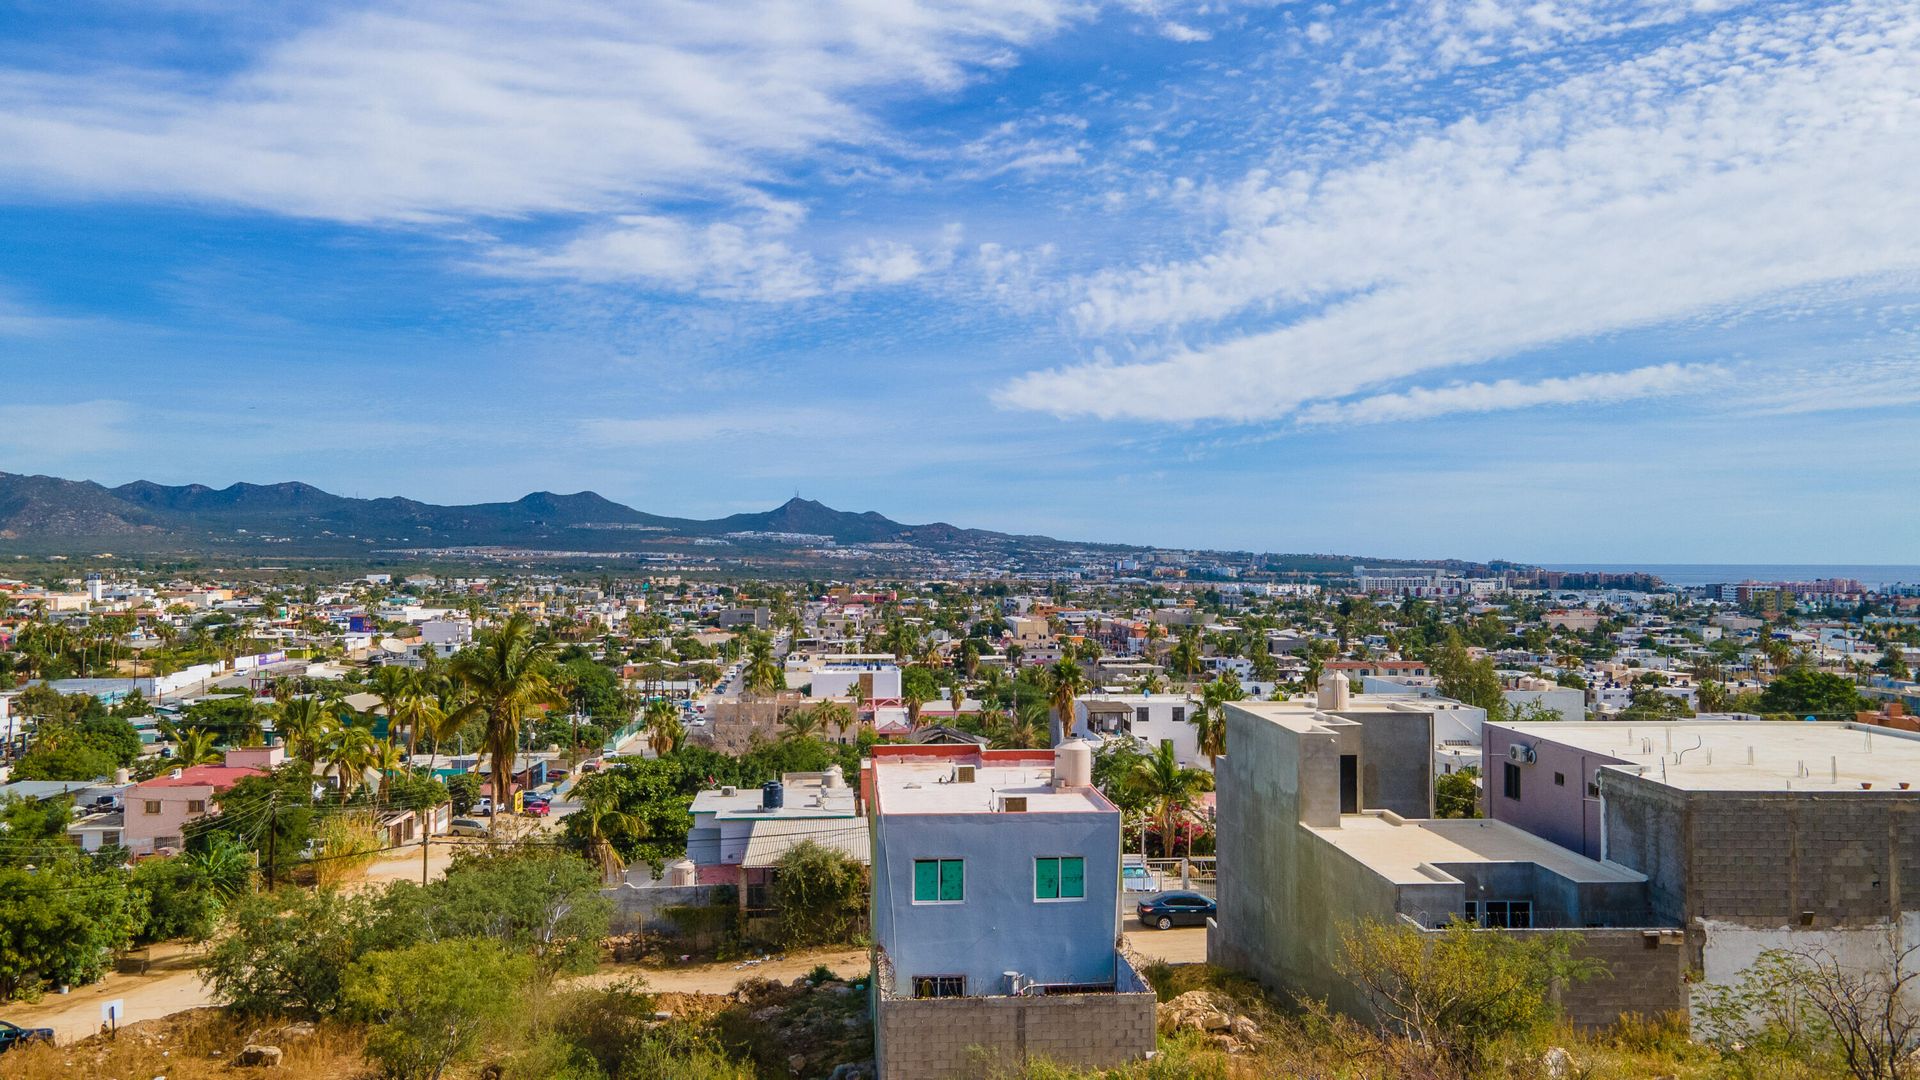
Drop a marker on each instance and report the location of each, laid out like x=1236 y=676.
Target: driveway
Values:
x=1180 y=945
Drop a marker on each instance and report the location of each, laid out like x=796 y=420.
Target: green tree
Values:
x=508 y=676
x=1803 y=691
x=1455 y=993
x=65 y=915
x=1457 y=794
x=283 y=953
x=1465 y=679
x=917 y=687
x=1168 y=789
x=431 y=1004
x=820 y=893
x=1210 y=720
x=464 y=790
x=173 y=899
x=1065 y=683
x=664 y=728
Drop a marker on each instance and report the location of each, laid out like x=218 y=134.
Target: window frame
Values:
x=942 y=986
x=151 y=806
x=1510 y=781
x=1059 y=879
x=940 y=864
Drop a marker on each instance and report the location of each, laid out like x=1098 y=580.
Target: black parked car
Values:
x=1171 y=909
x=12 y=1035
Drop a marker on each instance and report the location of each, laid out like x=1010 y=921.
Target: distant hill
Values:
x=48 y=515
x=44 y=512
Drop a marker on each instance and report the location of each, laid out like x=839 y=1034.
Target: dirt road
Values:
x=170 y=985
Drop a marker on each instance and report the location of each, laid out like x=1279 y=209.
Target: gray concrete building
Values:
x=1752 y=835
x=1325 y=820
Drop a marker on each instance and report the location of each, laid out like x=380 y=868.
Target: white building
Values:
x=1149 y=719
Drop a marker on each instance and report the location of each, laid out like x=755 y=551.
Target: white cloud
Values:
x=1706 y=175
x=1424 y=403
x=891 y=262
x=722 y=260
x=453 y=108
x=1183 y=33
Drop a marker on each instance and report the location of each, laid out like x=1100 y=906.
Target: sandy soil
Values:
x=170 y=985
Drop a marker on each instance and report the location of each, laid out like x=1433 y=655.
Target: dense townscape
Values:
x=1146 y=815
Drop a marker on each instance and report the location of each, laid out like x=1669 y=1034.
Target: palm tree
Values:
x=387 y=759
x=1169 y=787
x=348 y=751
x=414 y=706
x=837 y=715
x=958 y=695
x=1064 y=686
x=1210 y=720
x=1186 y=654
x=601 y=819
x=302 y=725
x=1156 y=633
x=390 y=685
x=804 y=724
x=763 y=674
x=1023 y=729
x=663 y=726
x=507 y=674
x=195 y=747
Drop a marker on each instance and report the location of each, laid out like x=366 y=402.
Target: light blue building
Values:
x=996 y=911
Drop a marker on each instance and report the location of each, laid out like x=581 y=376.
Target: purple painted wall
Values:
x=1561 y=812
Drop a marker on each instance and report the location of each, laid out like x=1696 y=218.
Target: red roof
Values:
x=218 y=777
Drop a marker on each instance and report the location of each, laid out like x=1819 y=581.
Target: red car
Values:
x=536 y=809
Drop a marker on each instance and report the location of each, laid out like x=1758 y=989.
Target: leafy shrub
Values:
x=431 y=1004
x=820 y=893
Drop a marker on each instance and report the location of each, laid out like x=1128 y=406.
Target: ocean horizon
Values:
x=1872 y=575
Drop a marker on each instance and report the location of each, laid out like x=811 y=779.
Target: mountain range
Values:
x=47 y=513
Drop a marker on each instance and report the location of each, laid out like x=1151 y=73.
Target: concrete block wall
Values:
x=637 y=907
x=967 y=1038
x=1646 y=973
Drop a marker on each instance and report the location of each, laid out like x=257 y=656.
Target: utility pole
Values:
x=272 y=800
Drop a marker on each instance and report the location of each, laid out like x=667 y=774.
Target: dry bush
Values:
x=199 y=1044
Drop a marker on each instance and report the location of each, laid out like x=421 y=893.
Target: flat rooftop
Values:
x=805 y=796
x=930 y=785
x=1407 y=851
x=1758 y=755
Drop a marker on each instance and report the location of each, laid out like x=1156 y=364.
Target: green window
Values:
x=1062 y=878
x=939 y=881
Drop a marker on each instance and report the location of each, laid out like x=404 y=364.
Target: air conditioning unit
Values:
x=1013 y=804
x=1520 y=752
x=963 y=774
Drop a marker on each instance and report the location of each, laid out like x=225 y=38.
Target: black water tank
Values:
x=773 y=795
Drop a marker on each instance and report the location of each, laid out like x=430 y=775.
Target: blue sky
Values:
x=1619 y=280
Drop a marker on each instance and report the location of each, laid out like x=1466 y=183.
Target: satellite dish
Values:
x=393 y=645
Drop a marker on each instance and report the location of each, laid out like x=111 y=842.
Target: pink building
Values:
x=158 y=810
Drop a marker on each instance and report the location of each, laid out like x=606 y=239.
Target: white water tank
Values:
x=680 y=872
x=835 y=779
x=1073 y=764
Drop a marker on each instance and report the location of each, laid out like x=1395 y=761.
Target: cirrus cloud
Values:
x=1706 y=175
